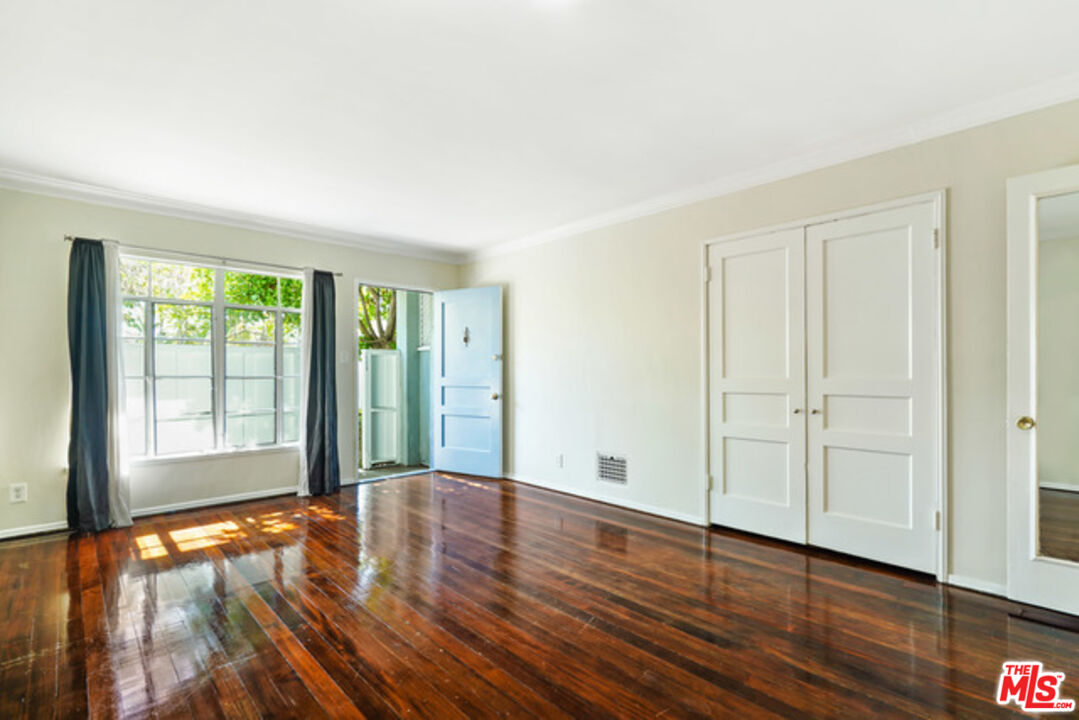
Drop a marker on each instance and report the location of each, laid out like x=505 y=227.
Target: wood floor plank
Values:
x=447 y=596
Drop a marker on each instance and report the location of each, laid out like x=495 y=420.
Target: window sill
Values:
x=214 y=455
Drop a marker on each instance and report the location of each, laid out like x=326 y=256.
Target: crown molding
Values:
x=1029 y=99
x=112 y=197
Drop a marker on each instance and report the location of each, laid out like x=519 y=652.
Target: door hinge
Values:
x=711 y=482
x=708 y=274
x=936 y=237
x=936 y=519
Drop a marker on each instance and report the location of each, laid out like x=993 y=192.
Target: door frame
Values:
x=938 y=199
x=355 y=360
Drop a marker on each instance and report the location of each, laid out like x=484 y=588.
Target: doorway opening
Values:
x=393 y=382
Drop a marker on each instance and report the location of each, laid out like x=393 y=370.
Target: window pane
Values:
x=182 y=282
x=247 y=396
x=247 y=360
x=134 y=318
x=179 y=436
x=136 y=416
x=134 y=358
x=134 y=277
x=290 y=328
x=250 y=289
x=184 y=397
x=290 y=392
x=291 y=360
x=249 y=325
x=291 y=292
x=177 y=357
x=290 y=426
x=248 y=430
x=182 y=321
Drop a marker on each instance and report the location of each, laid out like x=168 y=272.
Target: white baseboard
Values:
x=610 y=500
x=1059 y=486
x=207 y=502
x=33 y=529
x=983 y=586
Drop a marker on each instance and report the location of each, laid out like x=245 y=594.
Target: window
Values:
x=211 y=357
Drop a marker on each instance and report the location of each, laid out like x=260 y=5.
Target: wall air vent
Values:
x=611 y=468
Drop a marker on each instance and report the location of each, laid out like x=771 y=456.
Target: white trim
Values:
x=939 y=199
x=706 y=277
x=48 y=527
x=938 y=196
x=1026 y=100
x=982 y=586
x=145 y=460
x=1060 y=487
x=943 y=440
x=611 y=500
x=113 y=197
x=207 y=502
x=395 y=286
x=357 y=369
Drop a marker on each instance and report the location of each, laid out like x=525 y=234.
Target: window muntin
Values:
x=211 y=357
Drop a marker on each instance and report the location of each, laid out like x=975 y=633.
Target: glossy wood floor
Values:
x=1059 y=524
x=442 y=597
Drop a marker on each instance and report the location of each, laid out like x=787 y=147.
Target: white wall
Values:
x=1058 y=363
x=34 y=380
x=603 y=329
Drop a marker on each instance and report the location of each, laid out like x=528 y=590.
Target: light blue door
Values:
x=466 y=381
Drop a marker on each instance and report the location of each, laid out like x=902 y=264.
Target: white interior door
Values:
x=872 y=328
x=381 y=407
x=756 y=384
x=1043 y=389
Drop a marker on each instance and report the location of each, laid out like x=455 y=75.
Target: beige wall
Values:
x=34 y=384
x=604 y=329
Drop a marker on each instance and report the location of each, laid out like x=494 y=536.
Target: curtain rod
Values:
x=224 y=261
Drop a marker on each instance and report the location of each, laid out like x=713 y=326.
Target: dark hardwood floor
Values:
x=443 y=597
x=1059 y=523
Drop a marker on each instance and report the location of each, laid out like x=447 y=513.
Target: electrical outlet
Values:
x=559 y=461
x=17 y=493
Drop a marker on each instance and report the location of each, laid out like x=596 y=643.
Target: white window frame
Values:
x=218 y=346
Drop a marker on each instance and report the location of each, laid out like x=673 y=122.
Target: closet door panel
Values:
x=756 y=381
x=871 y=324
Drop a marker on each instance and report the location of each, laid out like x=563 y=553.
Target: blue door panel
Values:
x=466 y=382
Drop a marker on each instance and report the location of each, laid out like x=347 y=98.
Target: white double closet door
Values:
x=823 y=365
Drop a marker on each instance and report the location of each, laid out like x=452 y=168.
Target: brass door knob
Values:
x=1025 y=423
x=495 y=396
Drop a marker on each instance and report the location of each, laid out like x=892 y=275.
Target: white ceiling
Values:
x=465 y=124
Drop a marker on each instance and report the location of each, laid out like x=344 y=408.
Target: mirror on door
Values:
x=1057 y=374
